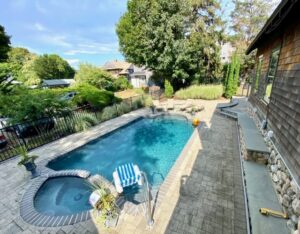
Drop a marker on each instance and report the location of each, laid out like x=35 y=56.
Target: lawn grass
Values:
x=206 y=92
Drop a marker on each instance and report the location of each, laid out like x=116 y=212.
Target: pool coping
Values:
x=30 y=215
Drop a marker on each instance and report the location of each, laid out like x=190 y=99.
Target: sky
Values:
x=77 y=30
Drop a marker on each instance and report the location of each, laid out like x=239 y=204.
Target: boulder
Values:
x=296 y=206
x=294 y=186
x=278 y=188
x=273 y=154
x=285 y=187
x=294 y=218
x=286 y=200
x=274 y=168
x=290 y=192
x=275 y=178
x=291 y=225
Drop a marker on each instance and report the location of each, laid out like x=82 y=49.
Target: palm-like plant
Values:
x=25 y=157
x=107 y=202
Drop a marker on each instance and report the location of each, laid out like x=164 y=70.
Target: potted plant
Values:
x=28 y=161
x=108 y=211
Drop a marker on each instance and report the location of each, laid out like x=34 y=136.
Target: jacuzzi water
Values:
x=152 y=144
x=63 y=196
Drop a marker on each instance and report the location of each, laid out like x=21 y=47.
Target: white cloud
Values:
x=54 y=39
x=93 y=48
x=39 y=27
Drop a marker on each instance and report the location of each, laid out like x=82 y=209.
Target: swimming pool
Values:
x=153 y=144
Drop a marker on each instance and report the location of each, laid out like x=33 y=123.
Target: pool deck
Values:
x=203 y=195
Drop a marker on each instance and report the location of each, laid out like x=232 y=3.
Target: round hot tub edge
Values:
x=29 y=213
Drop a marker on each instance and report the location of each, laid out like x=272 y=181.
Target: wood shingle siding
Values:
x=283 y=111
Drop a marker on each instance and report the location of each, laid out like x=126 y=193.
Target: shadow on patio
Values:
x=211 y=198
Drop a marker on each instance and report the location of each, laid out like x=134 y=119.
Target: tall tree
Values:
x=248 y=17
x=5 y=79
x=4 y=44
x=21 y=63
x=89 y=74
x=176 y=39
x=52 y=67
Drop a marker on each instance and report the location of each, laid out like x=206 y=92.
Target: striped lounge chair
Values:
x=126 y=175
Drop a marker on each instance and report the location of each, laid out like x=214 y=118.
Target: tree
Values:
x=177 y=39
x=4 y=44
x=89 y=74
x=168 y=89
x=232 y=77
x=5 y=74
x=32 y=104
x=5 y=78
x=248 y=17
x=22 y=65
x=27 y=74
x=52 y=67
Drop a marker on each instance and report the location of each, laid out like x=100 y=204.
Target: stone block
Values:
x=296 y=206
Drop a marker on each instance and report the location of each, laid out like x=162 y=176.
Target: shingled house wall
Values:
x=283 y=110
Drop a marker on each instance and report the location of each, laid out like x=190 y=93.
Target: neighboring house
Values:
x=226 y=52
x=57 y=83
x=137 y=76
x=276 y=86
x=140 y=77
x=118 y=68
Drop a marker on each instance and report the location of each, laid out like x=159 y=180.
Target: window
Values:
x=258 y=72
x=271 y=73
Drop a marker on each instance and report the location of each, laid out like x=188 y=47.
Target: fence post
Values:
x=21 y=137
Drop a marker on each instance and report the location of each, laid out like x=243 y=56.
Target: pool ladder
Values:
x=147 y=195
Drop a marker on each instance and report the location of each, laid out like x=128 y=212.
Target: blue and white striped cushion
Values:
x=127 y=175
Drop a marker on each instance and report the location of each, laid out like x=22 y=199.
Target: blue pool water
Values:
x=63 y=196
x=152 y=144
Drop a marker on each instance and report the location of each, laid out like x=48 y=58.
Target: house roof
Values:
x=273 y=23
x=57 y=82
x=117 y=65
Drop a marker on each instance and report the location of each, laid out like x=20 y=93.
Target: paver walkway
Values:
x=211 y=198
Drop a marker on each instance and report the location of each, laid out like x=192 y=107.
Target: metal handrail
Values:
x=147 y=197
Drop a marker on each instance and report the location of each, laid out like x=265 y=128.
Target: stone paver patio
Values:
x=211 y=198
x=205 y=195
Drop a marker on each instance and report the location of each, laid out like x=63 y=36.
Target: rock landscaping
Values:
x=285 y=185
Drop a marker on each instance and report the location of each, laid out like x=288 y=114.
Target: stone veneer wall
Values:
x=285 y=185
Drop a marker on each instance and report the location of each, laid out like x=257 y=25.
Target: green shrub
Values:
x=207 y=92
x=123 y=108
x=121 y=83
x=24 y=105
x=109 y=113
x=148 y=101
x=84 y=122
x=98 y=99
x=168 y=89
x=137 y=102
